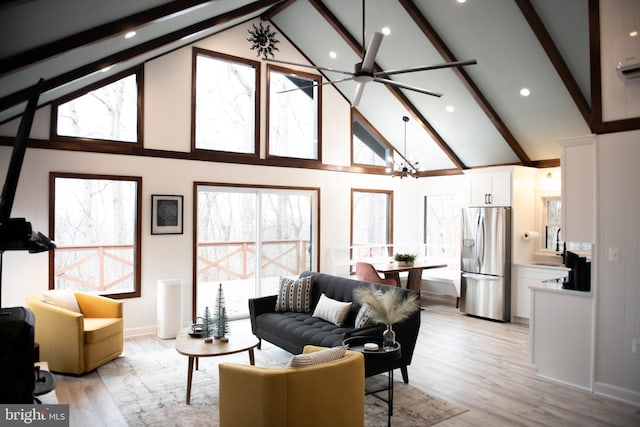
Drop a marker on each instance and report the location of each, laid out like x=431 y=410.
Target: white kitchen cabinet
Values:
x=577 y=164
x=489 y=189
x=561 y=335
x=527 y=276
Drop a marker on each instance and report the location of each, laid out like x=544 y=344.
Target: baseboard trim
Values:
x=142 y=330
x=618 y=393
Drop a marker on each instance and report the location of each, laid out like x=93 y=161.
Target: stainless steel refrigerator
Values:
x=485 y=283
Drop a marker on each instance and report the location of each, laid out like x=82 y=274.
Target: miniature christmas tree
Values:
x=221 y=324
x=209 y=323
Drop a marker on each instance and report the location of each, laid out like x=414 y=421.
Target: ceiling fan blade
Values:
x=405 y=86
x=328 y=82
x=426 y=68
x=370 y=56
x=277 y=61
x=358 y=96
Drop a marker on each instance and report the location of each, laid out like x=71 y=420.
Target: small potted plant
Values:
x=405 y=259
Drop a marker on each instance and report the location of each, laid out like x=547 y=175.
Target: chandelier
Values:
x=405 y=168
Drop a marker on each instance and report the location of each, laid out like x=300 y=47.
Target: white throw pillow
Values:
x=63 y=298
x=317 y=357
x=332 y=310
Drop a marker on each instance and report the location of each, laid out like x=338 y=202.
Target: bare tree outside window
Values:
x=106 y=113
x=225 y=104
x=96 y=227
x=293 y=115
x=371 y=232
x=250 y=237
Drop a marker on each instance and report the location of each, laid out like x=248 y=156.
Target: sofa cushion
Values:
x=317 y=357
x=63 y=298
x=96 y=329
x=292 y=331
x=332 y=310
x=294 y=295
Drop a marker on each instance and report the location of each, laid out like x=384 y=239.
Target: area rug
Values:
x=150 y=390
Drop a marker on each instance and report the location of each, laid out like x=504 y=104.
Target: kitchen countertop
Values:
x=543 y=265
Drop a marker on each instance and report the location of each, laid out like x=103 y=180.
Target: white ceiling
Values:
x=491 y=125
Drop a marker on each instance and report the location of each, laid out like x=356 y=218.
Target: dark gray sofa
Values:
x=292 y=331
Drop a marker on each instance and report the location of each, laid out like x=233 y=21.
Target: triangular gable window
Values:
x=369 y=147
x=107 y=111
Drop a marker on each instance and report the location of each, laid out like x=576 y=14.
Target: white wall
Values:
x=617 y=369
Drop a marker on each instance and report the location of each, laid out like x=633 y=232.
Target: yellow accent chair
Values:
x=326 y=394
x=75 y=339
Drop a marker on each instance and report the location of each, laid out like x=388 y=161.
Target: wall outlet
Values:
x=635 y=345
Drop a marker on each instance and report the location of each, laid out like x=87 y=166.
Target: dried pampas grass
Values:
x=387 y=307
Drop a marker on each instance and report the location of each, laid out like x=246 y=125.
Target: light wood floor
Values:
x=478 y=364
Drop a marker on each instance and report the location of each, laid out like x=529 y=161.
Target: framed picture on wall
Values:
x=166 y=214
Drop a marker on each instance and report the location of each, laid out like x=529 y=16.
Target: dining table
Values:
x=414 y=270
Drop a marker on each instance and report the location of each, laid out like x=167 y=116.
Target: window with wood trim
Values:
x=371 y=225
x=294 y=124
x=110 y=110
x=95 y=222
x=225 y=103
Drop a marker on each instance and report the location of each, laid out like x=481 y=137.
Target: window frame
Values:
x=389 y=243
x=137 y=244
x=138 y=71
x=318 y=80
x=256 y=111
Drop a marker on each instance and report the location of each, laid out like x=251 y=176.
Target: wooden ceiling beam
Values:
x=359 y=49
x=558 y=62
x=92 y=35
x=22 y=95
x=437 y=42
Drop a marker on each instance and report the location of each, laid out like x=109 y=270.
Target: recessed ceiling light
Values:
x=462 y=1
x=333 y=55
x=129 y=34
x=450 y=108
x=633 y=33
x=525 y=92
x=386 y=31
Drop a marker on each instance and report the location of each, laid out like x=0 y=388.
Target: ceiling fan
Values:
x=364 y=73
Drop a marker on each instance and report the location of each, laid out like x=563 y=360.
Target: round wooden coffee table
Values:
x=196 y=347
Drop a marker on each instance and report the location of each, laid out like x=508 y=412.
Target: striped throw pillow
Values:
x=317 y=357
x=294 y=295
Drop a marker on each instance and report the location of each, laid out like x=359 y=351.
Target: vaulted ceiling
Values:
x=541 y=45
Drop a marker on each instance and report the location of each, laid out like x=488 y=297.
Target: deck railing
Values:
x=96 y=268
x=237 y=259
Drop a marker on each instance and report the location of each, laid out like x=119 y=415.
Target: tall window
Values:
x=368 y=146
x=442 y=229
x=247 y=238
x=96 y=226
x=371 y=225
x=294 y=114
x=109 y=112
x=225 y=103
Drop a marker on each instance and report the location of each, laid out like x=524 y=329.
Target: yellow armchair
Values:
x=74 y=342
x=327 y=394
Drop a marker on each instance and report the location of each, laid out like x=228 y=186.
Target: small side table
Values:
x=377 y=357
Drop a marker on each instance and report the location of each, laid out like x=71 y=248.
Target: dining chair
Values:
x=368 y=273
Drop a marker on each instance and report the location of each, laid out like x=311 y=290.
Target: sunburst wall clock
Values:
x=263 y=40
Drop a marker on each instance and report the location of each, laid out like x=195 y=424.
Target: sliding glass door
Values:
x=247 y=238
